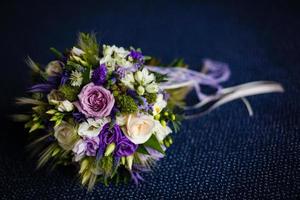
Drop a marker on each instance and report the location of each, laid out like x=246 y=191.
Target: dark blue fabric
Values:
x=223 y=155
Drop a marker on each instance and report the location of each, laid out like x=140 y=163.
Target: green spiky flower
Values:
x=127 y=104
x=69 y=92
x=151 y=97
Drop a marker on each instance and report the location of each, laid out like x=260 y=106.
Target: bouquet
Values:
x=110 y=111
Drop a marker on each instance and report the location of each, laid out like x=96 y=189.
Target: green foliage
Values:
x=176 y=124
x=73 y=65
x=154 y=144
x=106 y=164
x=28 y=101
x=88 y=43
x=151 y=97
x=159 y=78
x=126 y=104
x=57 y=53
x=46 y=155
x=86 y=76
x=57 y=117
x=178 y=62
x=36 y=69
x=141 y=149
x=69 y=92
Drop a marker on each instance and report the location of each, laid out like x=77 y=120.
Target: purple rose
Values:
x=125 y=147
x=109 y=134
x=95 y=101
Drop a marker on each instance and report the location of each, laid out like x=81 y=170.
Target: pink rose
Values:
x=95 y=101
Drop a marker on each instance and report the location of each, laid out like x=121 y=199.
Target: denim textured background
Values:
x=223 y=155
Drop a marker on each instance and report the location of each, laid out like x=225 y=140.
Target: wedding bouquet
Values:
x=110 y=112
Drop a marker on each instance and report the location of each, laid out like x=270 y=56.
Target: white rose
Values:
x=159 y=104
x=66 y=135
x=92 y=127
x=139 y=128
x=160 y=131
x=65 y=106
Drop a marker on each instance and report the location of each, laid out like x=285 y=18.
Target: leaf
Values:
x=178 y=62
x=141 y=149
x=154 y=144
x=88 y=43
x=25 y=100
x=159 y=78
x=86 y=76
x=57 y=53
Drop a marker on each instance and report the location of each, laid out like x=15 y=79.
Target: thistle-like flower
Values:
x=76 y=78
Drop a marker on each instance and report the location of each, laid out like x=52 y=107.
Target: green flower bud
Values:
x=129 y=160
x=123 y=160
x=140 y=90
x=163 y=123
x=109 y=149
x=83 y=166
x=55 y=152
x=173 y=117
x=170 y=140
x=157 y=117
x=86 y=177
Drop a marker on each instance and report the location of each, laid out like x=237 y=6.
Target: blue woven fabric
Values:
x=223 y=155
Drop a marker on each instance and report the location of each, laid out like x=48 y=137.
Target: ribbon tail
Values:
x=229 y=94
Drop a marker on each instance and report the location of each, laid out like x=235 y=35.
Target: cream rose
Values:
x=66 y=135
x=139 y=128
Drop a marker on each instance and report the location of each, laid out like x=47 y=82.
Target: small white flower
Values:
x=92 y=127
x=76 y=51
x=160 y=131
x=152 y=88
x=147 y=80
x=159 y=104
x=107 y=50
x=128 y=80
x=121 y=52
x=115 y=56
x=76 y=78
x=79 y=150
x=65 y=106
x=144 y=77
